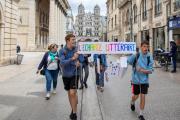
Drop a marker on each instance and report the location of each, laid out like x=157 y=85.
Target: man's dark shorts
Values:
x=70 y=82
x=140 y=89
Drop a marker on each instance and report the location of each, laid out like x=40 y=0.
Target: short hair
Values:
x=144 y=43
x=69 y=36
x=51 y=46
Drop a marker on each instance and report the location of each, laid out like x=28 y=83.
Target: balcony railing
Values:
x=176 y=5
x=158 y=9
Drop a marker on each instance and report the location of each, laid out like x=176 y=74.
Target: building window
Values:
x=127 y=18
x=112 y=23
x=177 y=5
x=115 y=20
x=144 y=9
x=158 y=7
x=107 y=9
x=116 y=4
x=135 y=13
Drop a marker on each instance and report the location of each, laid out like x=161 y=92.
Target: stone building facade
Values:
x=41 y=22
x=147 y=19
x=8 y=30
x=89 y=24
x=113 y=31
x=32 y=24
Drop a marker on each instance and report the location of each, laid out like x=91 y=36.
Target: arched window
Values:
x=135 y=13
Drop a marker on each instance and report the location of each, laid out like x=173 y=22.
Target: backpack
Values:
x=136 y=59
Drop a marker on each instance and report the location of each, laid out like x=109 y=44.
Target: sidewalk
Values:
x=22 y=94
x=162 y=101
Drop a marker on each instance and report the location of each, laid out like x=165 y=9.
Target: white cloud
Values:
x=88 y=4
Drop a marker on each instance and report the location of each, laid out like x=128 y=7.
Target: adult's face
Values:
x=71 y=42
x=54 y=49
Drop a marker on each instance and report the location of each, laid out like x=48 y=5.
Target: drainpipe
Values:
x=131 y=22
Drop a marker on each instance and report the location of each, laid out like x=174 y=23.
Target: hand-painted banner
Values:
x=106 y=47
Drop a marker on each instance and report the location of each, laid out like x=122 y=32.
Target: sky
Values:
x=88 y=4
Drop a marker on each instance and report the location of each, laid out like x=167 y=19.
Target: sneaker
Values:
x=48 y=96
x=98 y=87
x=132 y=107
x=141 y=117
x=81 y=87
x=101 y=89
x=54 y=91
x=85 y=84
x=73 y=116
x=173 y=71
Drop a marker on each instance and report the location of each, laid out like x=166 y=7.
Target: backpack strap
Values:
x=136 y=59
x=148 y=60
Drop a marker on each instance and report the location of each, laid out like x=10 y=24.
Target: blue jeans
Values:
x=51 y=75
x=174 y=62
x=99 y=78
x=84 y=77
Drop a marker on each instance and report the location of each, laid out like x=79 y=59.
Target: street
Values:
x=22 y=94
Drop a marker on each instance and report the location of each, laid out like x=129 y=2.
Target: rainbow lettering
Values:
x=107 y=47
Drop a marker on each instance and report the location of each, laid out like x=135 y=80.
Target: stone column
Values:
x=58 y=26
x=166 y=38
x=61 y=28
x=52 y=21
x=55 y=27
x=64 y=26
x=151 y=40
x=170 y=37
x=32 y=27
x=1 y=40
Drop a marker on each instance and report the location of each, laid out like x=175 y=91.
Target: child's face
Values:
x=144 y=48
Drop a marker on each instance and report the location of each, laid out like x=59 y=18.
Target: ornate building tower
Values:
x=97 y=21
x=88 y=25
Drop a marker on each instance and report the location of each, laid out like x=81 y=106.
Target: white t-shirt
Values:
x=52 y=65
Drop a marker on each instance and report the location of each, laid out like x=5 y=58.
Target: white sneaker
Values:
x=48 y=96
x=101 y=89
x=54 y=91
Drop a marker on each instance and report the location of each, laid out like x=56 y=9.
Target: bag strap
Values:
x=148 y=60
x=135 y=60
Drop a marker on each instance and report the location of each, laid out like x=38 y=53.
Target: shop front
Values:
x=174 y=32
x=159 y=38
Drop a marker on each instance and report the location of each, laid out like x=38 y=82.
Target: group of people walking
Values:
x=71 y=65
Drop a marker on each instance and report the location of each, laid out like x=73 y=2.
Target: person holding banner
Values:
x=100 y=67
x=70 y=62
x=142 y=63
